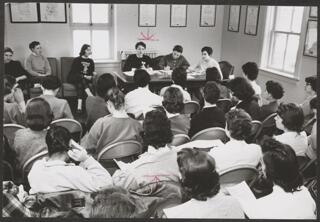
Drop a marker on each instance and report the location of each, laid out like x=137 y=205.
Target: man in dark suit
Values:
x=210 y=115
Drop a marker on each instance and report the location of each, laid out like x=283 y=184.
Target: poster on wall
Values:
x=178 y=16
x=53 y=13
x=207 y=15
x=313 y=12
x=252 y=18
x=310 y=46
x=23 y=12
x=147 y=15
x=234 y=18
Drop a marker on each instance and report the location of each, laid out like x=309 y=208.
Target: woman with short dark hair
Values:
x=200 y=181
x=138 y=60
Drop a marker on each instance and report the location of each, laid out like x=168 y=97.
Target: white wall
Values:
x=238 y=48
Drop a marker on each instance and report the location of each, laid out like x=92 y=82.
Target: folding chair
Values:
x=224 y=105
x=73 y=126
x=256 y=128
x=267 y=126
x=180 y=139
x=9 y=131
x=237 y=174
x=212 y=133
x=29 y=163
x=191 y=107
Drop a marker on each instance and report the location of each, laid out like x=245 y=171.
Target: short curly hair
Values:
x=51 y=82
x=292 y=116
x=200 y=179
x=140 y=44
x=213 y=74
x=38 y=114
x=179 y=76
x=241 y=88
x=275 y=89
x=173 y=100
x=141 y=77
x=156 y=129
x=117 y=98
x=211 y=92
x=251 y=70
x=239 y=124
x=104 y=83
x=207 y=49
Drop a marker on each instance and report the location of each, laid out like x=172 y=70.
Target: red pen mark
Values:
x=147 y=36
x=156 y=178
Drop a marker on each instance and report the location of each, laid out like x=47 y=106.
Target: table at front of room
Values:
x=159 y=79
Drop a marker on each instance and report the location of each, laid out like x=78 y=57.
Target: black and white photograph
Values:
x=167 y=111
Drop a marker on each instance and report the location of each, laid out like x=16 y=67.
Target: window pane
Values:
x=100 y=13
x=291 y=54
x=283 y=19
x=100 y=44
x=278 y=50
x=297 y=19
x=80 y=37
x=80 y=13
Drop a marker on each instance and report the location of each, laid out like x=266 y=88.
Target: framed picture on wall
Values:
x=178 y=15
x=147 y=14
x=23 y=12
x=234 y=18
x=208 y=15
x=313 y=12
x=310 y=45
x=252 y=18
x=53 y=12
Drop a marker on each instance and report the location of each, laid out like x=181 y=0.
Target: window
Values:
x=282 y=40
x=92 y=24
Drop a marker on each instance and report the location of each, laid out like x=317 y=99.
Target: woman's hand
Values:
x=18 y=95
x=78 y=153
x=87 y=77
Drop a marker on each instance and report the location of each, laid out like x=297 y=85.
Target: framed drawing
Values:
x=252 y=18
x=53 y=12
x=310 y=45
x=178 y=15
x=23 y=12
x=208 y=15
x=147 y=14
x=313 y=12
x=234 y=18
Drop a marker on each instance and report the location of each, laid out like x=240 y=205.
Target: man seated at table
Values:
x=138 y=60
x=141 y=98
x=36 y=64
x=174 y=60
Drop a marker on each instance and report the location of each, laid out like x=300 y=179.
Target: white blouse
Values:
x=298 y=142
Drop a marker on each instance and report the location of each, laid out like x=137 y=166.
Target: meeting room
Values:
x=159 y=111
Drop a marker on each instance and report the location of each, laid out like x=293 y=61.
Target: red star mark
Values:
x=147 y=37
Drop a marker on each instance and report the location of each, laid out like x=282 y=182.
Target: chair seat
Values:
x=35 y=91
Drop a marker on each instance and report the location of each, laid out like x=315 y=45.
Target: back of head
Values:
x=241 y=88
x=207 y=49
x=51 y=83
x=114 y=202
x=8 y=83
x=281 y=165
x=173 y=100
x=33 y=44
x=312 y=80
x=57 y=140
x=292 y=116
x=179 y=76
x=199 y=179
x=104 y=83
x=117 y=98
x=212 y=74
x=275 y=89
x=251 y=70
x=239 y=124
x=178 y=48
x=83 y=49
x=141 y=77
x=38 y=114
x=156 y=129
x=211 y=92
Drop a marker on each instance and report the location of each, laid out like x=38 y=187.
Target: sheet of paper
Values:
x=201 y=144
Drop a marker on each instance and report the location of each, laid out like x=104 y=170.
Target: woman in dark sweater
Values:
x=138 y=60
x=81 y=74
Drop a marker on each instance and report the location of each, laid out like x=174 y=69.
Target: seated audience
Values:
x=212 y=74
x=141 y=98
x=113 y=202
x=311 y=92
x=237 y=151
x=311 y=151
x=173 y=104
x=206 y=62
x=243 y=91
x=138 y=60
x=81 y=74
x=174 y=60
x=274 y=92
x=179 y=79
x=36 y=64
x=60 y=107
x=96 y=106
x=158 y=163
x=13 y=102
x=56 y=174
x=210 y=115
x=113 y=128
x=31 y=140
x=14 y=68
x=200 y=181
x=251 y=71
x=290 y=119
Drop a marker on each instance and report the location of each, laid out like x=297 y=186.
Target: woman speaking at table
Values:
x=138 y=60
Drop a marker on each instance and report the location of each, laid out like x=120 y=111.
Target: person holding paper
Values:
x=200 y=181
x=138 y=60
x=174 y=60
